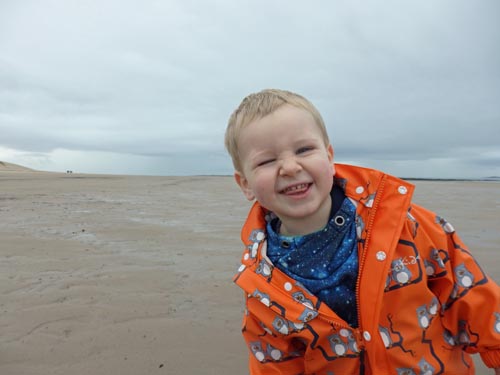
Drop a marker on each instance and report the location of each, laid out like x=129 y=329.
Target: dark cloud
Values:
x=399 y=85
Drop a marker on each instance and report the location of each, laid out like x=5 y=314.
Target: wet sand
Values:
x=132 y=275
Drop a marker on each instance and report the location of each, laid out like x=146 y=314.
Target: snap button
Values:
x=339 y=220
x=288 y=286
x=402 y=189
x=285 y=244
x=360 y=189
x=381 y=255
x=367 y=335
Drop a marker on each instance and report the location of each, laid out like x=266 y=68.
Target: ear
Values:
x=244 y=186
x=330 y=152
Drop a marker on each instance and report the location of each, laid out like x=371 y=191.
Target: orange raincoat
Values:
x=423 y=301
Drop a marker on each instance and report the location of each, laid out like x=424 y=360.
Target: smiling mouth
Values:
x=295 y=189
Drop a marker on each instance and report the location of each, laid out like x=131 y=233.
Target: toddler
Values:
x=342 y=273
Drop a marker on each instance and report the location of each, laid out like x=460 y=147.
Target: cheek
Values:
x=263 y=185
x=326 y=168
x=325 y=172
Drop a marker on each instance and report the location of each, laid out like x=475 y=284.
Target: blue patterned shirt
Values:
x=325 y=262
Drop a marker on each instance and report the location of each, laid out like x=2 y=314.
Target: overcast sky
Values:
x=146 y=87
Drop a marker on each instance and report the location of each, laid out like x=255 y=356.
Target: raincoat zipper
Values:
x=362 y=259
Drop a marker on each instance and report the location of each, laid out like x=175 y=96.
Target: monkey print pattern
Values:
x=435 y=266
x=260 y=354
x=425 y=367
x=433 y=307
x=286 y=327
x=308 y=315
x=262 y=297
x=425 y=314
x=392 y=338
x=360 y=227
x=266 y=329
x=343 y=342
x=257 y=351
x=256 y=237
x=465 y=335
x=413 y=223
x=300 y=297
x=406 y=269
x=281 y=325
x=351 y=340
x=496 y=325
x=273 y=353
x=430 y=269
x=424 y=318
x=368 y=200
x=388 y=281
x=338 y=346
x=400 y=273
x=405 y=371
x=464 y=277
x=448 y=338
x=447 y=227
x=386 y=336
x=436 y=258
x=289 y=325
x=264 y=268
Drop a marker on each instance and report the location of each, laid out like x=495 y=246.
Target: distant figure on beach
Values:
x=342 y=273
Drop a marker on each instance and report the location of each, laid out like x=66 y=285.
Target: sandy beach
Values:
x=105 y=274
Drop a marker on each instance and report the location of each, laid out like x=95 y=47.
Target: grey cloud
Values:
x=394 y=82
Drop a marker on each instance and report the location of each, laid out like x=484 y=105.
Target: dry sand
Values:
x=132 y=275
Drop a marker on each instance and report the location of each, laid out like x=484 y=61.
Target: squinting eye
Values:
x=265 y=162
x=304 y=149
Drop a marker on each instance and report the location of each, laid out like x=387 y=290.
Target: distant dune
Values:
x=4 y=167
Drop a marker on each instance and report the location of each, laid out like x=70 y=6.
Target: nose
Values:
x=289 y=167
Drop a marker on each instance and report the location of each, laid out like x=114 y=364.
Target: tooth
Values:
x=296 y=187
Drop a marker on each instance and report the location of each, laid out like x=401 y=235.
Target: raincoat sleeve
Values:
x=269 y=352
x=470 y=300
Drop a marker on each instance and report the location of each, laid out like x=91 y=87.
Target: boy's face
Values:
x=288 y=169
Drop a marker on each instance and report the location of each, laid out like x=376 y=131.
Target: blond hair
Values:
x=258 y=105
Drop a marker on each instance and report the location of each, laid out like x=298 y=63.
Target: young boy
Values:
x=342 y=273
